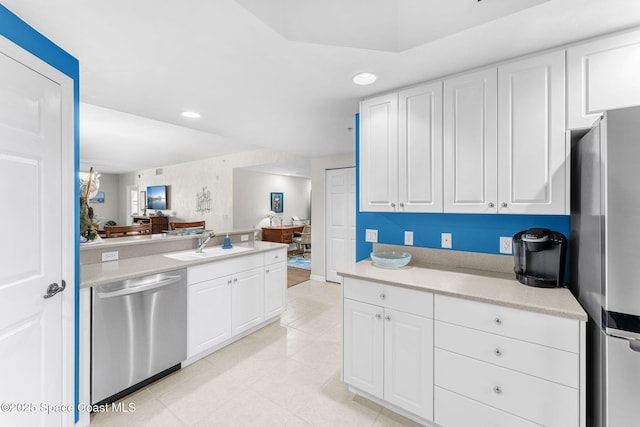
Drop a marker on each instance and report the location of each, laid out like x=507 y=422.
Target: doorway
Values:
x=133 y=205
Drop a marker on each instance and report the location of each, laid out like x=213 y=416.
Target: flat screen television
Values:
x=157 y=197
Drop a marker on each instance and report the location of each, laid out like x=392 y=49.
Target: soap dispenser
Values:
x=227 y=242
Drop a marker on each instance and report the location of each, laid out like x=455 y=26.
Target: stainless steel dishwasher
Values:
x=139 y=333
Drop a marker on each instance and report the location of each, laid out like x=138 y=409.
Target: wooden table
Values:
x=281 y=234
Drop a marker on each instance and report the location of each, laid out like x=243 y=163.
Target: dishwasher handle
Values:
x=141 y=288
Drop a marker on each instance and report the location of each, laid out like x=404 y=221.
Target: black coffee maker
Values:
x=539 y=257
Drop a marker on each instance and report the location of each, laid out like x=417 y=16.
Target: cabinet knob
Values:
x=267 y=272
x=235 y=280
x=497 y=352
x=382 y=296
x=229 y=282
x=387 y=318
x=378 y=316
x=491 y=205
x=402 y=205
x=497 y=321
x=503 y=204
x=497 y=389
x=277 y=256
x=393 y=205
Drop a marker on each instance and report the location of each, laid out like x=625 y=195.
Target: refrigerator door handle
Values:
x=634 y=345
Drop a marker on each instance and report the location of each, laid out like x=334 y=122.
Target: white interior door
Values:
x=340 y=220
x=34 y=248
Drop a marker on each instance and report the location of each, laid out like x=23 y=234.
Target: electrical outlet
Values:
x=408 y=238
x=244 y=238
x=446 y=240
x=371 y=236
x=506 y=245
x=110 y=256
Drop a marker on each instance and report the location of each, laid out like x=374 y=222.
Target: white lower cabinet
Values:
x=229 y=297
x=275 y=295
x=388 y=352
x=247 y=300
x=209 y=316
x=454 y=410
x=507 y=366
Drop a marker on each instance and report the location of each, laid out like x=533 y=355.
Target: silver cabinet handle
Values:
x=504 y=204
x=378 y=316
x=387 y=318
x=497 y=352
x=497 y=321
x=497 y=389
x=491 y=205
x=53 y=289
x=383 y=296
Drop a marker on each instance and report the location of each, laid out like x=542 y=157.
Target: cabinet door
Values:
x=420 y=148
x=362 y=348
x=470 y=143
x=275 y=289
x=209 y=314
x=602 y=75
x=408 y=362
x=531 y=136
x=247 y=300
x=379 y=154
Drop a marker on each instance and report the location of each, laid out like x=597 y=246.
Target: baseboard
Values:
x=317 y=278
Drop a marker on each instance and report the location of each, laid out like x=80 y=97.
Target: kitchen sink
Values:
x=212 y=252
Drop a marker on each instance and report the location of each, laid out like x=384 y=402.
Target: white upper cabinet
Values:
x=420 y=149
x=602 y=75
x=379 y=154
x=401 y=151
x=531 y=136
x=470 y=143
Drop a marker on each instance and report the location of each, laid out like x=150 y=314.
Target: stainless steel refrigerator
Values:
x=605 y=263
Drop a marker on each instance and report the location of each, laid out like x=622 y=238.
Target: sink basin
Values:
x=212 y=252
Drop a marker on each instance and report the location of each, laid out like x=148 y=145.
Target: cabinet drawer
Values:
x=548 y=363
x=200 y=273
x=537 y=400
x=272 y=257
x=453 y=410
x=398 y=298
x=552 y=331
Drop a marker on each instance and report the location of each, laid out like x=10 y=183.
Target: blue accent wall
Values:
x=470 y=232
x=25 y=36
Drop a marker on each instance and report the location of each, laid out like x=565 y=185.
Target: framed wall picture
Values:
x=98 y=198
x=277 y=202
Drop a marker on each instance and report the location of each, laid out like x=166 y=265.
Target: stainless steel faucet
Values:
x=203 y=243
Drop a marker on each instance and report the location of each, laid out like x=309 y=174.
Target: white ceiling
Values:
x=143 y=62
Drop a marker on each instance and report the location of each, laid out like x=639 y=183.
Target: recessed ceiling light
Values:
x=364 y=78
x=191 y=114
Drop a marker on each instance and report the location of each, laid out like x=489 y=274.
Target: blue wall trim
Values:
x=19 y=32
x=470 y=232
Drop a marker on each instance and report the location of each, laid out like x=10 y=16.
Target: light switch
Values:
x=408 y=238
x=371 y=236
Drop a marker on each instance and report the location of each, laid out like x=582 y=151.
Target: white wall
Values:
x=318 y=168
x=110 y=209
x=185 y=180
x=252 y=198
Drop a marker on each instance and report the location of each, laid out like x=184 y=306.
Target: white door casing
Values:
x=38 y=243
x=340 y=221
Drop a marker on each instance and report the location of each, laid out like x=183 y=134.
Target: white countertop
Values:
x=113 y=271
x=493 y=288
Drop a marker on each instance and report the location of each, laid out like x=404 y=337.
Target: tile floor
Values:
x=286 y=374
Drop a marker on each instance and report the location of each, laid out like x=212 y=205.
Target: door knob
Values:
x=53 y=289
